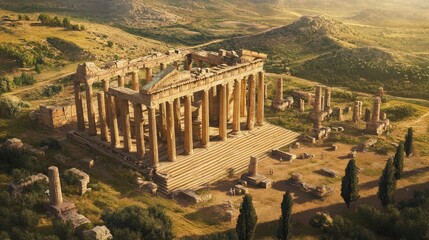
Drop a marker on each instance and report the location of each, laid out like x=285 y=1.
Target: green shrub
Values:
x=342 y=228
x=399 y=113
x=52 y=90
x=24 y=80
x=9 y=108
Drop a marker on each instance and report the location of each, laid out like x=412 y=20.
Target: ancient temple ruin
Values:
x=379 y=122
x=321 y=110
x=196 y=101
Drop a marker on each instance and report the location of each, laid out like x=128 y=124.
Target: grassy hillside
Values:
x=328 y=51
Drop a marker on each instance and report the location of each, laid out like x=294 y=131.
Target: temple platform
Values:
x=205 y=165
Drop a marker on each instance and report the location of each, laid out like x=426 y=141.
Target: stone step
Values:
x=214 y=162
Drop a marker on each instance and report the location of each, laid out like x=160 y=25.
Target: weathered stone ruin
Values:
x=321 y=111
x=82 y=177
x=253 y=177
x=279 y=103
x=319 y=191
x=377 y=125
x=357 y=111
x=172 y=117
x=191 y=196
x=62 y=208
x=97 y=233
x=16 y=188
x=283 y=155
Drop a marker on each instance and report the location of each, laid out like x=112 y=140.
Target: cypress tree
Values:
x=399 y=161
x=246 y=222
x=284 y=231
x=387 y=184
x=349 y=184
x=409 y=142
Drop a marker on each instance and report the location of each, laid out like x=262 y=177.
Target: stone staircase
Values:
x=212 y=164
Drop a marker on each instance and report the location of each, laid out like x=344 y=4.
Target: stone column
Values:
x=149 y=74
x=79 y=107
x=301 y=105
x=223 y=121
x=214 y=105
x=114 y=131
x=121 y=81
x=106 y=86
x=381 y=92
x=279 y=90
x=139 y=125
x=55 y=194
x=251 y=104
x=318 y=100
x=135 y=78
x=243 y=105
x=163 y=120
x=189 y=146
x=153 y=139
x=376 y=109
x=367 y=115
x=340 y=114
x=355 y=117
x=261 y=99
x=102 y=116
x=360 y=104
x=205 y=118
x=171 y=136
x=237 y=102
x=253 y=166
x=126 y=128
x=91 y=115
x=177 y=114
x=327 y=98
x=162 y=66
x=188 y=62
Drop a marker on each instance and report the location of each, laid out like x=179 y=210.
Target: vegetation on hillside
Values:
x=70 y=50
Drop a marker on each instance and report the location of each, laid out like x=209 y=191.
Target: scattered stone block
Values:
x=16 y=188
x=14 y=143
x=240 y=189
x=83 y=179
x=352 y=154
x=334 y=148
x=329 y=172
x=284 y=155
x=266 y=183
x=340 y=129
x=192 y=197
x=98 y=233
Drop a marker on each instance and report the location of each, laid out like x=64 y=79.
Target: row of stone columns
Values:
x=114 y=115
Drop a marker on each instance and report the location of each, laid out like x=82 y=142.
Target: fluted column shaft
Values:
x=135 y=79
x=138 y=119
x=153 y=139
x=171 y=135
x=261 y=99
x=114 y=131
x=91 y=115
x=126 y=128
x=188 y=126
x=205 y=133
x=177 y=115
x=236 y=111
x=223 y=121
x=149 y=74
x=79 y=107
x=243 y=105
x=102 y=116
x=251 y=103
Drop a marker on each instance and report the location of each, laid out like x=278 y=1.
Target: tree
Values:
x=349 y=184
x=66 y=23
x=387 y=184
x=409 y=142
x=246 y=222
x=284 y=231
x=399 y=161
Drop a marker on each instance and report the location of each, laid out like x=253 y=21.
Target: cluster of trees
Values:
x=7 y=85
x=137 y=223
x=23 y=17
x=47 y=20
x=25 y=56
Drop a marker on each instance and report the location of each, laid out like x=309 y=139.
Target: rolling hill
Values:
x=328 y=51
